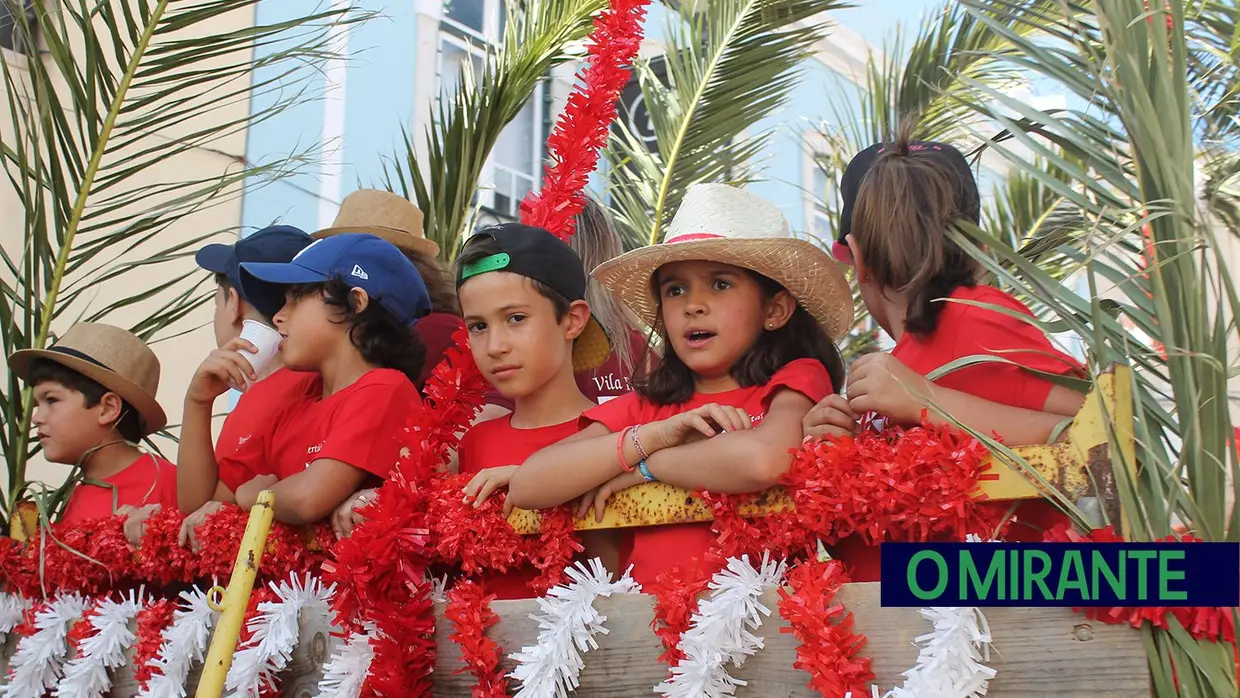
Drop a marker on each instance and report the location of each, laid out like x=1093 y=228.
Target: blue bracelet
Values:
x=645 y=471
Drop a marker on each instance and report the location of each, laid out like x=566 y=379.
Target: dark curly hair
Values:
x=671 y=381
x=377 y=334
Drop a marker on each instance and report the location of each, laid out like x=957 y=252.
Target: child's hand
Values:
x=881 y=383
x=486 y=482
x=831 y=418
x=223 y=368
x=189 y=527
x=247 y=494
x=347 y=516
x=707 y=420
x=597 y=498
x=135 y=521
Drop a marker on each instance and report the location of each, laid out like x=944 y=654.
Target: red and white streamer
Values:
x=38 y=662
x=346 y=671
x=89 y=674
x=184 y=645
x=274 y=634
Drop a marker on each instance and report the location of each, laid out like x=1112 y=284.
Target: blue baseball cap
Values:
x=362 y=261
x=276 y=243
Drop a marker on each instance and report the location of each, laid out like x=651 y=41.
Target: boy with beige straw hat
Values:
x=94 y=392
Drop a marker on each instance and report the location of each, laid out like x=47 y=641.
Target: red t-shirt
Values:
x=653 y=550
x=435 y=332
x=148 y=480
x=360 y=425
x=237 y=453
x=495 y=443
x=965 y=330
x=611 y=380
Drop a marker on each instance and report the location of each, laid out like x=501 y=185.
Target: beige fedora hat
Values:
x=110 y=356
x=720 y=223
x=384 y=214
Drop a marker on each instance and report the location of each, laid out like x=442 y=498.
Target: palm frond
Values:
x=729 y=64
x=97 y=119
x=444 y=173
x=1159 y=297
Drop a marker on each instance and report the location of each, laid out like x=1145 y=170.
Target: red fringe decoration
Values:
x=1212 y=624
x=151 y=622
x=554 y=548
x=581 y=131
x=676 y=600
x=829 y=651
x=469 y=611
x=82 y=627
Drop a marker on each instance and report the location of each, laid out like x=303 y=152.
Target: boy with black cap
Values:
x=522 y=292
x=201 y=481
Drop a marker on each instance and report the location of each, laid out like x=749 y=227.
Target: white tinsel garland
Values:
x=12 y=607
x=949 y=664
x=719 y=632
x=568 y=622
x=89 y=674
x=274 y=632
x=36 y=665
x=184 y=644
x=346 y=671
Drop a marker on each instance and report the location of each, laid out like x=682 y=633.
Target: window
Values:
x=515 y=165
x=13 y=35
x=820 y=218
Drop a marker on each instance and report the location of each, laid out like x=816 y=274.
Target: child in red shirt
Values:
x=747 y=313
x=347 y=386
x=94 y=392
x=523 y=294
x=899 y=200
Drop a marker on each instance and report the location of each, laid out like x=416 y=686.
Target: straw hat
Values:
x=110 y=356
x=383 y=214
x=719 y=223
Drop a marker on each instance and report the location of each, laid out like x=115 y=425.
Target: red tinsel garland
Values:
x=581 y=131
x=380 y=571
x=82 y=627
x=829 y=651
x=469 y=611
x=676 y=600
x=1213 y=624
x=150 y=621
x=554 y=547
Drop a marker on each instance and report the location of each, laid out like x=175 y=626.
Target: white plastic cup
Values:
x=266 y=339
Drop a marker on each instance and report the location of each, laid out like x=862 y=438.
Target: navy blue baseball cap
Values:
x=362 y=261
x=276 y=243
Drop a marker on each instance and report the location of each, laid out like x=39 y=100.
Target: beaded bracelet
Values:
x=624 y=465
x=645 y=471
x=641 y=452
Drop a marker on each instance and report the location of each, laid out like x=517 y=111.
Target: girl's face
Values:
x=311 y=329
x=714 y=313
x=515 y=338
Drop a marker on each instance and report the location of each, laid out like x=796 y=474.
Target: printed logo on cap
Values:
x=359 y=272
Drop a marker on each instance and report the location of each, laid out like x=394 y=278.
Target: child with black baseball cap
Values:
x=523 y=295
x=900 y=200
x=350 y=361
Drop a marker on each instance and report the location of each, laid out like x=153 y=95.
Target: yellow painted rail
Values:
x=232 y=603
x=1079 y=465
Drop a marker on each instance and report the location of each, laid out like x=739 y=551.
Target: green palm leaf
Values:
x=538 y=36
x=730 y=63
x=95 y=121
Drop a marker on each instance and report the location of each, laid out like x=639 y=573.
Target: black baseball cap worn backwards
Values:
x=537 y=254
x=968 y=201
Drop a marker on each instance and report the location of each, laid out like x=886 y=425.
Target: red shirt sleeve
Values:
x=985 y=331
x=805 y=376
x=623 y=412
x=366 y=430
x=167 y=494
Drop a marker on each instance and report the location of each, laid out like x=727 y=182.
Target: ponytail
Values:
x=903 y=210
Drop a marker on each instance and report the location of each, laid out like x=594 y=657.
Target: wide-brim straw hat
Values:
x=720 y=223
x=110 y=356
x=385 y=215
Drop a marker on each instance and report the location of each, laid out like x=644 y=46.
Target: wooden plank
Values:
x=1037 y=651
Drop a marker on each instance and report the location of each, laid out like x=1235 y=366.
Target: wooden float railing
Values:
x=1036 y=651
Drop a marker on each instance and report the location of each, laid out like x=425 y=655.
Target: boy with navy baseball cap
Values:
x=333 y=417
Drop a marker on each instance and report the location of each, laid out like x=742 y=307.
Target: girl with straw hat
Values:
x=747 y=314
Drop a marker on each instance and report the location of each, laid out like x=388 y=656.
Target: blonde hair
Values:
x=596 y=241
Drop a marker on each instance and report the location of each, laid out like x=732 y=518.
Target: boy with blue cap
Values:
x=334 y=414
